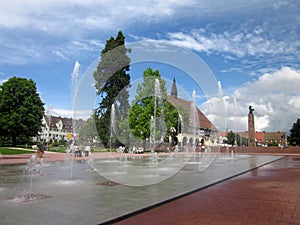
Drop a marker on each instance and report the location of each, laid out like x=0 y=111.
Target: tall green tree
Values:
x=294 y=138
x=21 y=110
x=151 y=104
x=231 y=138
x=234 y=138
x=112 y=82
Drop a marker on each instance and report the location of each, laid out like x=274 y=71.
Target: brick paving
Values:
x=269 y=195
x=50 y=157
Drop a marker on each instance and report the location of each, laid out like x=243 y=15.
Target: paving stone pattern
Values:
x=269 y=195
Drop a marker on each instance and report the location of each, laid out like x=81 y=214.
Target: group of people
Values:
x=79 y=149
x=133 y=150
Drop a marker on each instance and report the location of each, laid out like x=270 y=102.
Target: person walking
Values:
x=87 y=151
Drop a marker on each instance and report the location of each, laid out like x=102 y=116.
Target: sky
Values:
x=252 y=49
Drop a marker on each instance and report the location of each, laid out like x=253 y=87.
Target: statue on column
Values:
x=250 y=109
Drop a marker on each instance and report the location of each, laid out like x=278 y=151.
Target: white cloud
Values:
x=275 y=98
x=285 y=80
x=77 y=114
x=2 y=81
x=58 y=24
x=237 y=43
x=59 y=54
x=40 y=30
x=49 y=15
x=62 y=113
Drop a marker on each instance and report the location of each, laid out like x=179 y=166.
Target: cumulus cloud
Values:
x=275 y=98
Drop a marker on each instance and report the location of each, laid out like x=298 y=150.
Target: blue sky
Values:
x=251 y=47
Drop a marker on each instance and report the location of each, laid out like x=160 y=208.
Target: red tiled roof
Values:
x=203 y=121
x=260 y=136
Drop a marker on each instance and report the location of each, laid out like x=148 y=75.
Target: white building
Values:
x=58 y=128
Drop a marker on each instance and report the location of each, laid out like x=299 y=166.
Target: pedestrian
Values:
x=87 y=150
x=76 y=150
x=41 y=150
x=81 y=148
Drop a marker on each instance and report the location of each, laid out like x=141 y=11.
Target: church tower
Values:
x=174 y=89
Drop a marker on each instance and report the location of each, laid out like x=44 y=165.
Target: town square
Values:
x=152 y=112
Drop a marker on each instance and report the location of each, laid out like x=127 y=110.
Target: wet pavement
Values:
x=229 y=190
x=269 y=195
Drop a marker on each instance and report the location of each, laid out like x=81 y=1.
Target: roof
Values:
x=260 y=136
x=203 y=121
x=66 y=122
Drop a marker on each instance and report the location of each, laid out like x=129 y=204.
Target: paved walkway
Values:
x=269 y=195
x=50 y=157
x=264 y=196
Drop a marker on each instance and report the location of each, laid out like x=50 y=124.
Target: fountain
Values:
x=195 y=120
x=154 y=118
x=48 y=113
x=154 y=158
x=69 y=157
x=180 y=124
x=202 y=159
x=112 y=125
x=220 y=105
x=33 y=169
x=229 y=154
x=74 y=79
x=90 y=160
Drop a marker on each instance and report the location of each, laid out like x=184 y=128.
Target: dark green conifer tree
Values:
x=112 y=82
x=294 y=138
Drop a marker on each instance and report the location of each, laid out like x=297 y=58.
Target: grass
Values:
x=102 y=149
x=57 y=149
x=15 y=151
x=12 y=151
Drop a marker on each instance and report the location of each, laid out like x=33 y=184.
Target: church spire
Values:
x=174 y=89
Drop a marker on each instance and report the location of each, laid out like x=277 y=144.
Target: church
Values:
x=200 y=131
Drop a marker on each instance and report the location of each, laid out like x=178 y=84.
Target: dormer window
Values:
x=59 y=125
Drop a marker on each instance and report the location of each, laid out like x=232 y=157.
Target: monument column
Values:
x=251 y=128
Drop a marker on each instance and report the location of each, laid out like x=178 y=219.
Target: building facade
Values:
x=200 y=129
x=55 y=129
x=263 y=138
x=275 y=138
